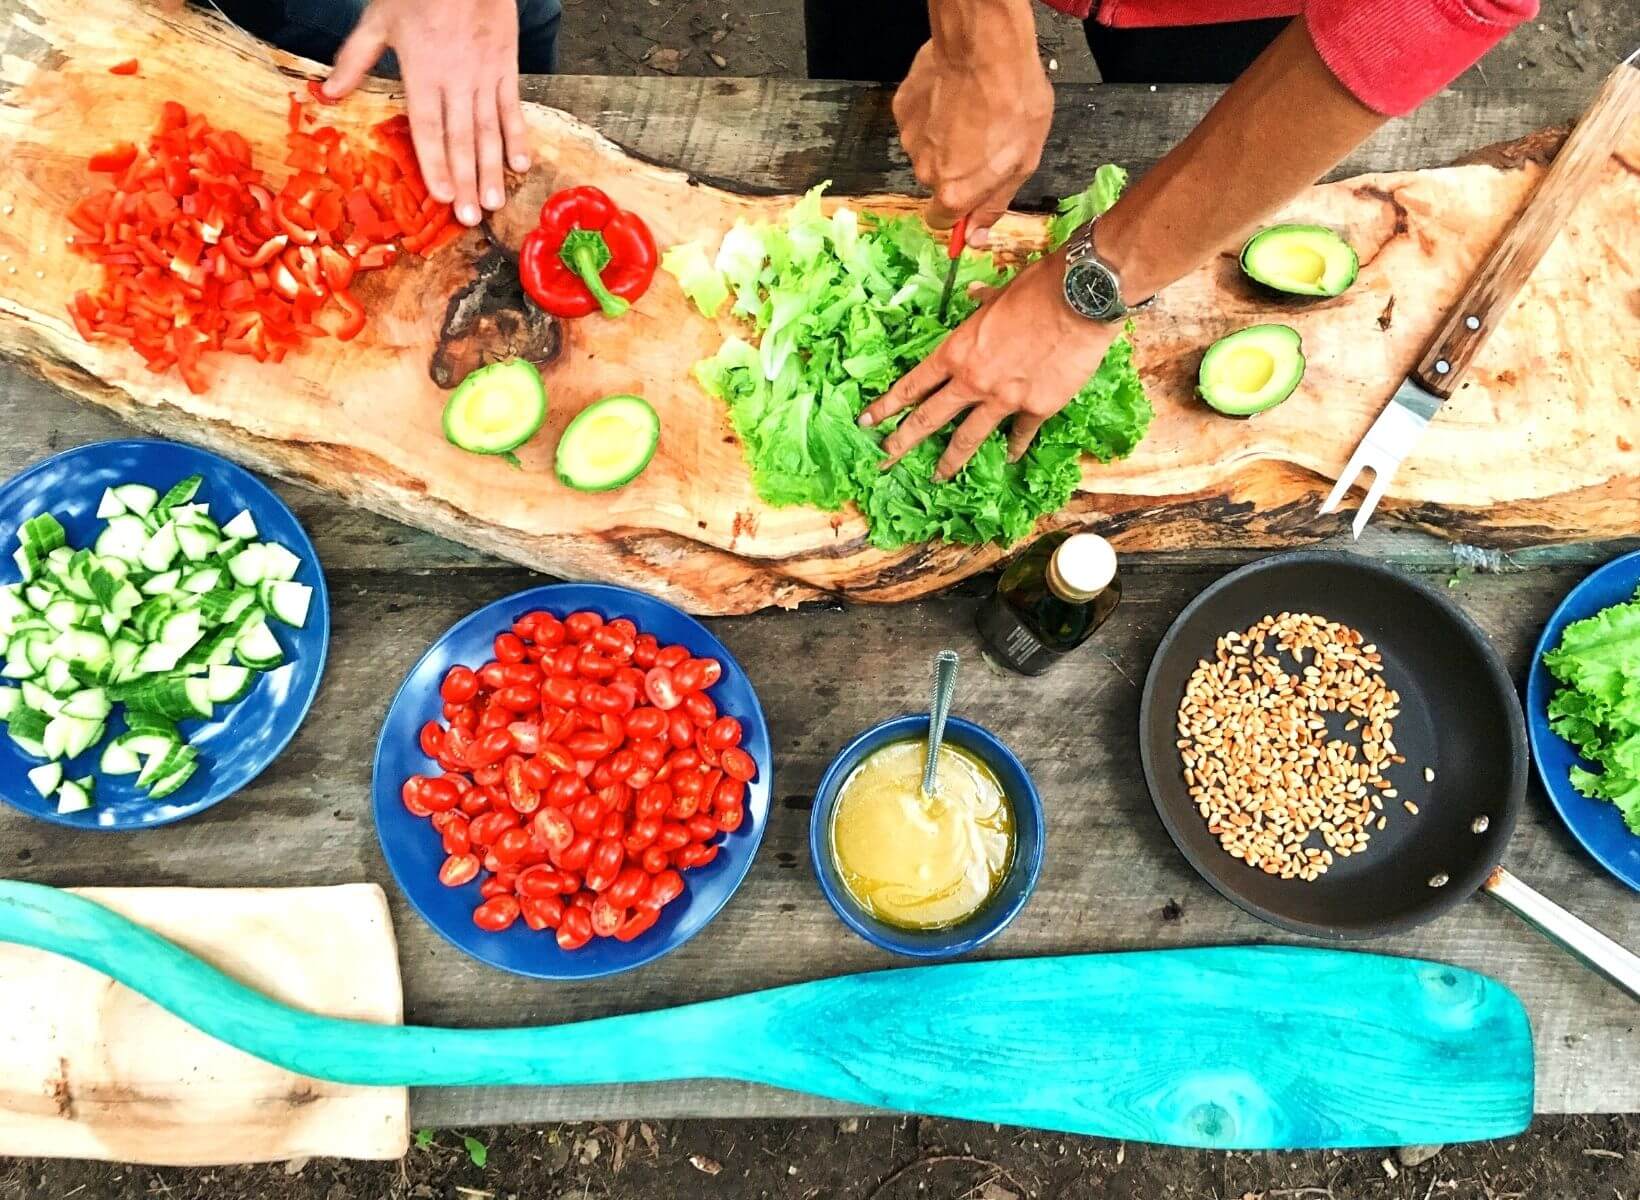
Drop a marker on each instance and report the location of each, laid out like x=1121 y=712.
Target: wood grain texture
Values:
x=360 y=419
x=90 y=1069
x=1446 y=364
x=1225 y=1048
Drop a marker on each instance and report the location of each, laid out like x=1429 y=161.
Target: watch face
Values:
x=1092 y=290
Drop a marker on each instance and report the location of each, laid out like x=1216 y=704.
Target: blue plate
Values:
x=412 y=847
x=1595 y=823
x=242 y=738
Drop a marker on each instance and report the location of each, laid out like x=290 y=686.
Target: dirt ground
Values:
x=1560 y=1158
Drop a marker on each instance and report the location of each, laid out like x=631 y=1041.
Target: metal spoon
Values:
x=945 y=685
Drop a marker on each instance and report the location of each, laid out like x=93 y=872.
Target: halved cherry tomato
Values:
x=695 y=855
x=496 y=913
x=661 y=688
x=541 y=912
x=432 y=739
x=458 y=869
x=638 y=923
x=553 y=827
x=655 y=860
x=737 y=764
x=575 y=930
x=730 y=819
x=607 y=917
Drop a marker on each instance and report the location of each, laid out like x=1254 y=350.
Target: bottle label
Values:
x=1011 y=642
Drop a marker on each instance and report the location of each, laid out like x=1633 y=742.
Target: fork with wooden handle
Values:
x=1452 y=351
x=1268 y=1047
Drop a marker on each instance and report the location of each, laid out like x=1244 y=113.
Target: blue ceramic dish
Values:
x=1595 y=823
x=412 y=847
x=1029 y=839
x=241 y=739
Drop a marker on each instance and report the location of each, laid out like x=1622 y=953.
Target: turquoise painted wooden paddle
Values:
x=1258 y=1047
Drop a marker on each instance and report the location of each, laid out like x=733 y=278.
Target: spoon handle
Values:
x=945 y=685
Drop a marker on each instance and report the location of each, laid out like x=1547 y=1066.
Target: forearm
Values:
x=982 y=32
x=1286 y=122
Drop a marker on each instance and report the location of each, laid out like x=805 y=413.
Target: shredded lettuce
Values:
x=842 y=306
x=700 y=281
x=1598 y=707
x=1108 y=182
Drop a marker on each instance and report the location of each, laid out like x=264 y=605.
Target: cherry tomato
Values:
x=701 y=827
x=453 y=834
x=695 y=855
x=708 y=756
x=731 y=793
x=485 y=829
x=491 y=748
x=644 y=650
x=492 y=675
x=460 y=685
x=495 y=885
x=458 y=869
x=641 y=834
x=672 y=836
x=589 y=664
x=519 y=699
x=638 y=923
x=432 y=739
x=574 y=856
x=629 y=885
x=700 y=708
x=588 y=746
x=587 y=814
x=645 y=723
x=710 y=671
x=640 y=779
x=496 y=913
x=722 y=733
x=564 y=660
x=650 y=753
x=526 y=736
x=612 y=641
x=613 y=827
x=652 y=801
x=439 y=795
x=679 y=731
x=605 y=864
x=556 y=757
x=522 y=674
x=606 y=917
x=476 y=801
x=539 y=881
x=665 y=887
x=488 y=776
x=621 y=765
x=737 y=764
x=493 y=717
x=541 y=912
x=684 y=761
x=536 y=773
x=553 y=827
x=600 y=699
x=688 y=675
x=671 y=656
x=729 y=819
x=458 y=743
x=410 y=794
x=661 y=688
x=575 y=929
x=689 y=783
x=616 y=798
x=509 y=648
x=579 y=625
x=549 y=631
x=655 y=860
x=566 y=788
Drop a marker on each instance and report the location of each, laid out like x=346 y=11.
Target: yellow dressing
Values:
x=915 y=861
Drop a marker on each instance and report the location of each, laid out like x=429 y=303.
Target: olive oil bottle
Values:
x=1049 y=601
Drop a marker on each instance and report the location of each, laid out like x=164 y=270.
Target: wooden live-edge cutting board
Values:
x=1543 y=445
x=90 y=1069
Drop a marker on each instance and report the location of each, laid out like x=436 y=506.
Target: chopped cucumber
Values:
x=242 y=527
x=74 y=795
x=45 y=778
x=165 y=614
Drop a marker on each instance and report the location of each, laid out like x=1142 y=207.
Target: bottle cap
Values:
x=1082 y=567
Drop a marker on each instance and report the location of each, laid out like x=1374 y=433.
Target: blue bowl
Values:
x=413 y=848
x=1029 y=839
x=1595 y=823
x=241 y=739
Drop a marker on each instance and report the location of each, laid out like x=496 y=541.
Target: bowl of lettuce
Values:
x=834 y=308
x=1583 y=714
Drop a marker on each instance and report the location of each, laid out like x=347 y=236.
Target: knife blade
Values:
x=953 y=251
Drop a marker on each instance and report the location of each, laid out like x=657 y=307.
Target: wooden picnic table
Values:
x=1112 y=879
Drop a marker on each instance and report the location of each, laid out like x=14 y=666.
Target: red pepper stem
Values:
x=586 y=253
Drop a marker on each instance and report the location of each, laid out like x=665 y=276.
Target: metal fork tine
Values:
x=1346 y=480
x=1381 y=479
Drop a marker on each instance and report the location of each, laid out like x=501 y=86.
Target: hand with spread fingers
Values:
x=1023 y=355
x=460 y=64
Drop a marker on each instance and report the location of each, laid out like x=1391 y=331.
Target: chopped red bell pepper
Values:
x=113 y=160
x=586 y=254
x=128 y=67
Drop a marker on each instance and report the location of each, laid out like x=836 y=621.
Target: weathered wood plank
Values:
x=783 y=135
x=1112 y=880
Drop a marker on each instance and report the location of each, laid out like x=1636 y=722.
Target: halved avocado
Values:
x=497 y=408
x=1251 y=370
x=608 y=444
x=1300 y=260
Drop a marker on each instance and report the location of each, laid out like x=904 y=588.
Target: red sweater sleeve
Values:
x=1395 y=54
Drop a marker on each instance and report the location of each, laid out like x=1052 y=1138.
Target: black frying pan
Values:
x=1460 y=716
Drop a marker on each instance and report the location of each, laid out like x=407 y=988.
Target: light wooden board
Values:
x=90 y=1069
x=1539 y=444
x=1113 y=878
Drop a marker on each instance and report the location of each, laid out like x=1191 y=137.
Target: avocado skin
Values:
x=1296 y=366
x=1328 y=240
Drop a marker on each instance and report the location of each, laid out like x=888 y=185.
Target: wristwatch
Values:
x=1092 y=286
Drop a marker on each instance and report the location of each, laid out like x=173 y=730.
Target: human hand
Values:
x=973 y=121
x=993 y=366
x=460 y=64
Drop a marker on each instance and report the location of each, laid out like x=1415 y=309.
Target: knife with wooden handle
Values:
x=1451 y=352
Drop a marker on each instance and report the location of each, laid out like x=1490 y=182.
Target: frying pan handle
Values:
x=1620 y=966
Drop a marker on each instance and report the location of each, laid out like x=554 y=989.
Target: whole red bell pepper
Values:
x=586 y=254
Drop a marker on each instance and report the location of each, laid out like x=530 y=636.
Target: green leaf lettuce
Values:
x=1597 y=708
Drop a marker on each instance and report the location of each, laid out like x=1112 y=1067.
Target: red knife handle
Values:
x=959 y=238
